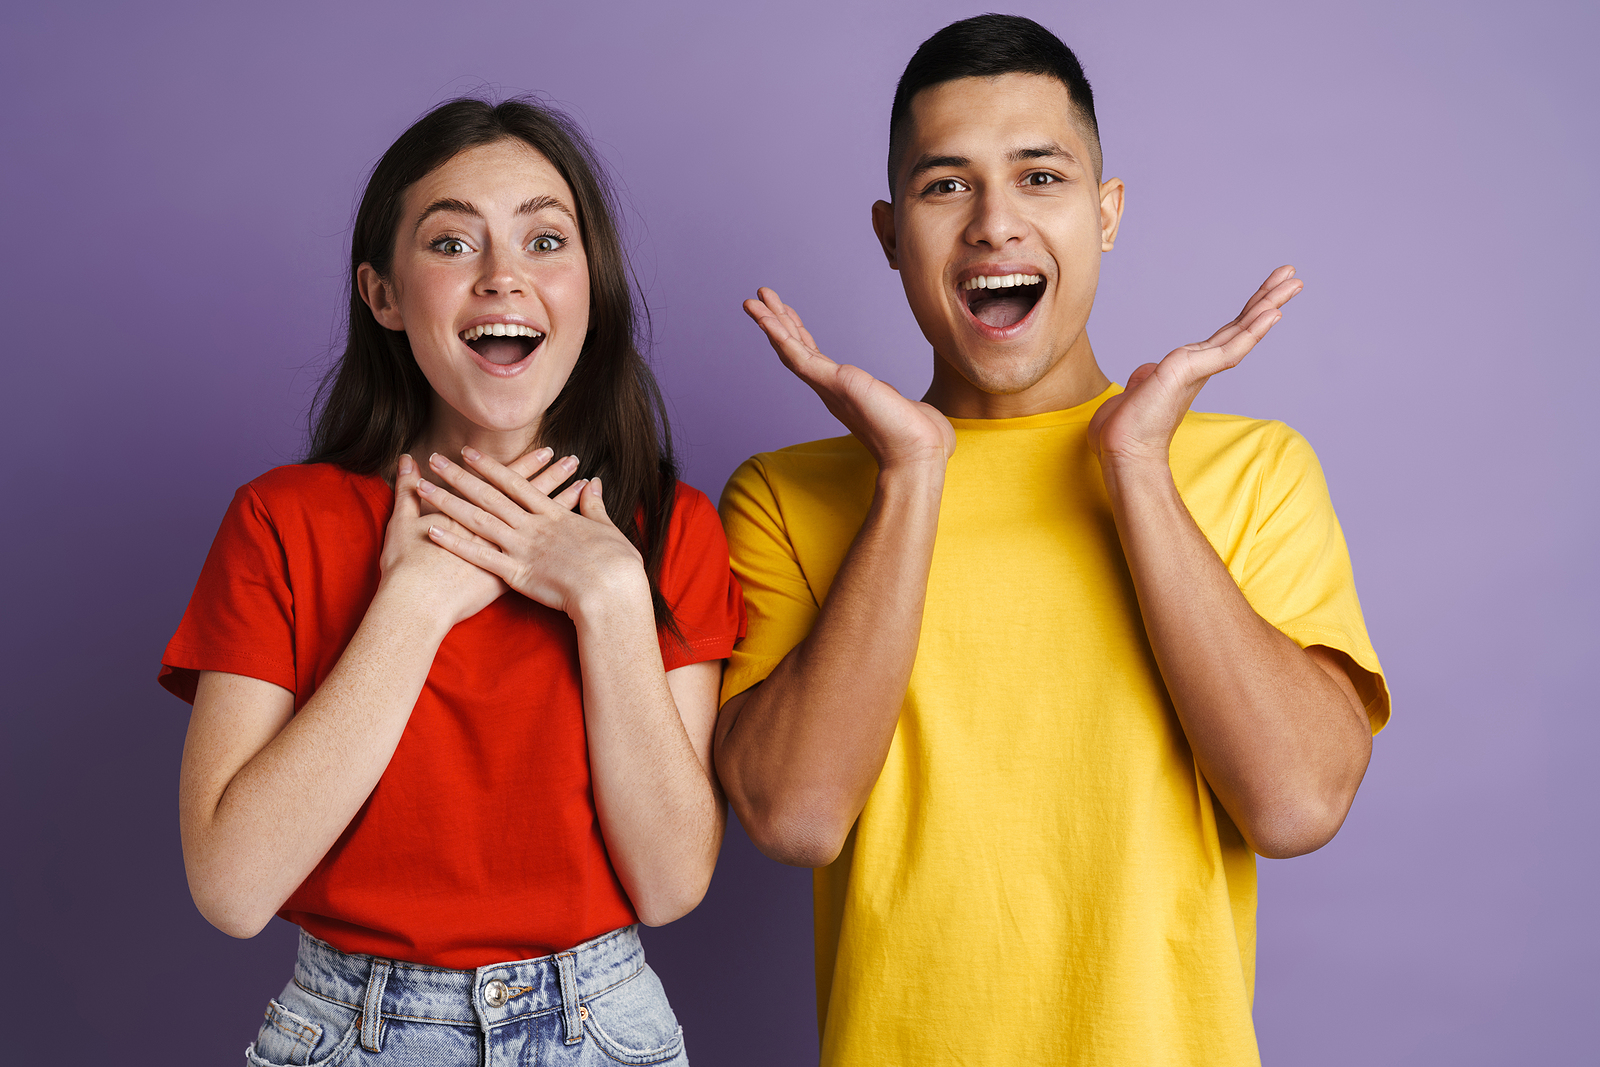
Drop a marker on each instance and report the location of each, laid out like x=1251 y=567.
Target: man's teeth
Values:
x=499 y=329
x=1001 y=281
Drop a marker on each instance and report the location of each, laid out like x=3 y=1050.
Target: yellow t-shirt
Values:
x=1040 y=875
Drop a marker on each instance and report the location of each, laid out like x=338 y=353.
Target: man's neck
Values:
x=1075 y=379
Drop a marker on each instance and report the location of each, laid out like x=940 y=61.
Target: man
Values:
x=1036 y=664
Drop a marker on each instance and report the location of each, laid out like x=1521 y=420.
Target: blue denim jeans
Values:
x=595 y=1004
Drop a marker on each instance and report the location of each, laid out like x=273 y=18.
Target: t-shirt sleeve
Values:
x=698 y=586
x=1297 y=574
x=779 y=601
x=241 y=616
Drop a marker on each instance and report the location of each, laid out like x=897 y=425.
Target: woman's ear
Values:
x=379 y=297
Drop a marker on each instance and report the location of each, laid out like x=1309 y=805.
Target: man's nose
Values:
x=995 y=220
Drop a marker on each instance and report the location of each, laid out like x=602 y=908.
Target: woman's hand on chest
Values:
x=562 y=551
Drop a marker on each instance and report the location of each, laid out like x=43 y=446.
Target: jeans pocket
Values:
x=301 y=1030
x=633 y=1023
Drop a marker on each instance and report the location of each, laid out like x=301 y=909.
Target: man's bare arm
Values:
x=799 y=753
x=1278 y=732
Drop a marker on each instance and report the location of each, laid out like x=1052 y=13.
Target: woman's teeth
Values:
x=499 y=329
x=1001 y=281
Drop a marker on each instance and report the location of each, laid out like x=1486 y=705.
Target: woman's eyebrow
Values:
x=537 y=204
x=531 y=206
x=459 y=207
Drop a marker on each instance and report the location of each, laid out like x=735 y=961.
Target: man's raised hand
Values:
x=1137 y=424
x=897 y=431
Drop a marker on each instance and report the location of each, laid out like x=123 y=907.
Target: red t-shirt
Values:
x=480 y=843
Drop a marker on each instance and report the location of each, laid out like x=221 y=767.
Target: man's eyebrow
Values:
x=1043 y=151
x=927 y=163
x=536 y=204
x=1050 y=150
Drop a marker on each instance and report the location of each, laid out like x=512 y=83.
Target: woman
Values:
x=454 y=677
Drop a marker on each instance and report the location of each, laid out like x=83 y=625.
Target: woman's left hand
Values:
x=555 y=550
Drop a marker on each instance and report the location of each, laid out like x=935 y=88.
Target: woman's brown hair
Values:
x=375 y=401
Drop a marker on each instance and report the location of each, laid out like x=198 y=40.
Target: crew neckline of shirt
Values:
x=1080 y=413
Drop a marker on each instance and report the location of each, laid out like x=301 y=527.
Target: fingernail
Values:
x=597 y=486
x=472 y=454
x=570 y=461
x=433 y=531
x=543 y=455
x=405 y=464
x=438 y=462
x=424 y=487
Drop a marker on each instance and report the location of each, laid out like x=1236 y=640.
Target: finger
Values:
x=469 y=515
x=568 y=498
x=530 y=463
x=592 y=504
x=791 y=315
x=1139 y=376
x=526 y=495
x=470 y=487
x=1269 y=295
x=406 y=503
x=1239 y=346
x=475 y=551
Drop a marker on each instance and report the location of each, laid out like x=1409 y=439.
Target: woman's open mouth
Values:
x=502 y=343
x=1001 y=301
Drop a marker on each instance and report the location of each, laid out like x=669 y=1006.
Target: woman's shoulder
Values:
x=313 y=484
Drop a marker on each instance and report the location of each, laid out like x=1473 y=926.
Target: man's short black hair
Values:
x=987 y=46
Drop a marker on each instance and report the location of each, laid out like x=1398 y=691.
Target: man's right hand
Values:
x=896 y=431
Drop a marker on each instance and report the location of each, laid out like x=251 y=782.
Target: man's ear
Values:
x=1111 y=191
x=883 y=226
x=379 y=297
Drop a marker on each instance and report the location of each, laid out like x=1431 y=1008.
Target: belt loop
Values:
x=372 y=1006
x=572 y=1022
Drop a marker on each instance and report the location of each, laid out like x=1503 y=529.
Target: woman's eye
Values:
x=1040 y=178
x=450 y=246
x=545 y=243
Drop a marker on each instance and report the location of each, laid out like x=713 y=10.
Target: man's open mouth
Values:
x=1002 y=300
x=503 y=343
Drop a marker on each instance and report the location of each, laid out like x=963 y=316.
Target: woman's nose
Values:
x=502 y=275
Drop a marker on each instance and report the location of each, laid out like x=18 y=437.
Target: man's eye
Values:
x=946 y=185
x=545 y=243
x=1040 y=178
x=450 y=246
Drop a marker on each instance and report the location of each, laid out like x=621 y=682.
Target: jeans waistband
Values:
x=483 y=998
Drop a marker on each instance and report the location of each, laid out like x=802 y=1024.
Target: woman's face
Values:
x=490 y=282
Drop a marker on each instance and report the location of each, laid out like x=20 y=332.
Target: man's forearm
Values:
x=799 y=753
x=1278 y=732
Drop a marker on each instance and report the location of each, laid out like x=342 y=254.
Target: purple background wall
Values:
x=177 y=181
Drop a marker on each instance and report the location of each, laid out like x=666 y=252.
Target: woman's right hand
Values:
x=419 y=570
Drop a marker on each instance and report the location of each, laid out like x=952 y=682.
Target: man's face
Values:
x=997 y=232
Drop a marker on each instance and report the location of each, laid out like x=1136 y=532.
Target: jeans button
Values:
x=495 y=993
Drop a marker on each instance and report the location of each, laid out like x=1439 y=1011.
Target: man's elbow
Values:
x=1295 y=829
x=796 y=834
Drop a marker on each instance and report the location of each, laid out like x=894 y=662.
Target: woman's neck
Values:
x=448 y=436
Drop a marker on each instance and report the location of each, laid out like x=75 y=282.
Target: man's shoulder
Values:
x=815 y=492
x=1209 y=437
x=809 y=466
